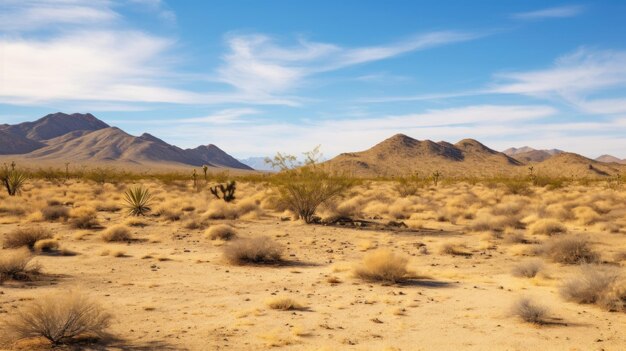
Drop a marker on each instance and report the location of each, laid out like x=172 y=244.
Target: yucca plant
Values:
x=13 y=179
x=138 y=200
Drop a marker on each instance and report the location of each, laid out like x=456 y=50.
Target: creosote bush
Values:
x=118 y=232
x=303 y=190
x=570 y=250
x=528 y=268
x=382 y=265
x=55 y=212
x=15 y=265
x=221 y=232
x=596 y=285
x=529 y=311
x=25 y=237
x=84 y=218
x=60 y=319
x=259 y=250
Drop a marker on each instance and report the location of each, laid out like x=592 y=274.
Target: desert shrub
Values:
x=569 y=250
x=529 y=311
x=117 y=232
x=25 y=237
x=108 y=206
x=60 y=319
x=383 y=265
x=138 y=200
x=485 y=222
x=221 y=231
x=15 y=264
x=517 y=186
x=285 y=304
x=586 y=215
x=136 y=222
x=528 y=268
x=304 y=190
x=409 y=186
x=56 y=212
x=596 y=285
x=194 y=223
x=84 y=218
x=547 y=226
x=221 y=210
x=12 y=179
x=46 y=245
x=256 y=250
x=453 y=249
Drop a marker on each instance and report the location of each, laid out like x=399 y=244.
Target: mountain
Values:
x=211 y=154
x=567 y=164
x=403 y=155
x=257 y=163
x=610 y=159
x=527 y=149
x=82 y=138
x=527 y=154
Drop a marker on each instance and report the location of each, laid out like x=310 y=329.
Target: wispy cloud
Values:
x=553 y=12
x=257 y=63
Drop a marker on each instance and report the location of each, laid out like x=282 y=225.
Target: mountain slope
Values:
x=54 y=125
x=568 y=164
x=403 y=155
x=610 y=159
x=211 y=154
x=14 y=144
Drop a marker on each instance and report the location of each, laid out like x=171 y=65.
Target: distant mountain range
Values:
x=82 y=138
x=403 y=155
x=257 y=163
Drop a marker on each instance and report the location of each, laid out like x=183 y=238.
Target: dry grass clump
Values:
x=84 y=218
x=56 y=212
x=60 y=319
x=25 y=237
x=382 y=265
x=596 y=285
x=547 y=226
x=529 y=311
x=136 y=222
x=586 y=215
x=193 y=224
x=46 y=245
x=485 y=221
x=118 y=232
x=569 y=250
x=285 y=304
x=259 y=250
x=453 y=249
x=15 y=265
x=528 y=268
x=221 y=210
x=221 y=232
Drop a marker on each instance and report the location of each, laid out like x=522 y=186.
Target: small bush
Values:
x=117 y=232
x=529 y=311
x=84 y=218
x=596 y=285
x=256 y=250
x=56 y=212
x=383 y=265
x=547 y=227
x=15 y=264
x=527 y=269
x=221 y=231
x=221 y=210
x=285 y=304
x=569 y=250
x=60 y=319
x=25 y=237
x=138 y=200
x=46 y=245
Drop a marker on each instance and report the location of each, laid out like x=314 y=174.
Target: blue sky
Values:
x=257 y=77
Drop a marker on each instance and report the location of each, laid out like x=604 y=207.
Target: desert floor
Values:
x=171 y=289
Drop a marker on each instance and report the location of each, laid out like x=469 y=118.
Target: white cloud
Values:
x=553 y=12
x=256 y=63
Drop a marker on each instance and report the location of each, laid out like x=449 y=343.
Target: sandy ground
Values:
x=174 y=291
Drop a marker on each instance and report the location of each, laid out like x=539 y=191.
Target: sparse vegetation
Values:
x=285 y=304
x=13 y=179
x=570 y=250
x=547 y=227
x=138 y=200
x=55 y=212
x=60 y=319
x=84 y=218
x=117 y=232
x=596 y=285
x=528 y=268
x=259 y=250
x=221 y=232
x=383 y=265
x=25 y=237
x=225 y=192
x=529 y=311
x=16 y=265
